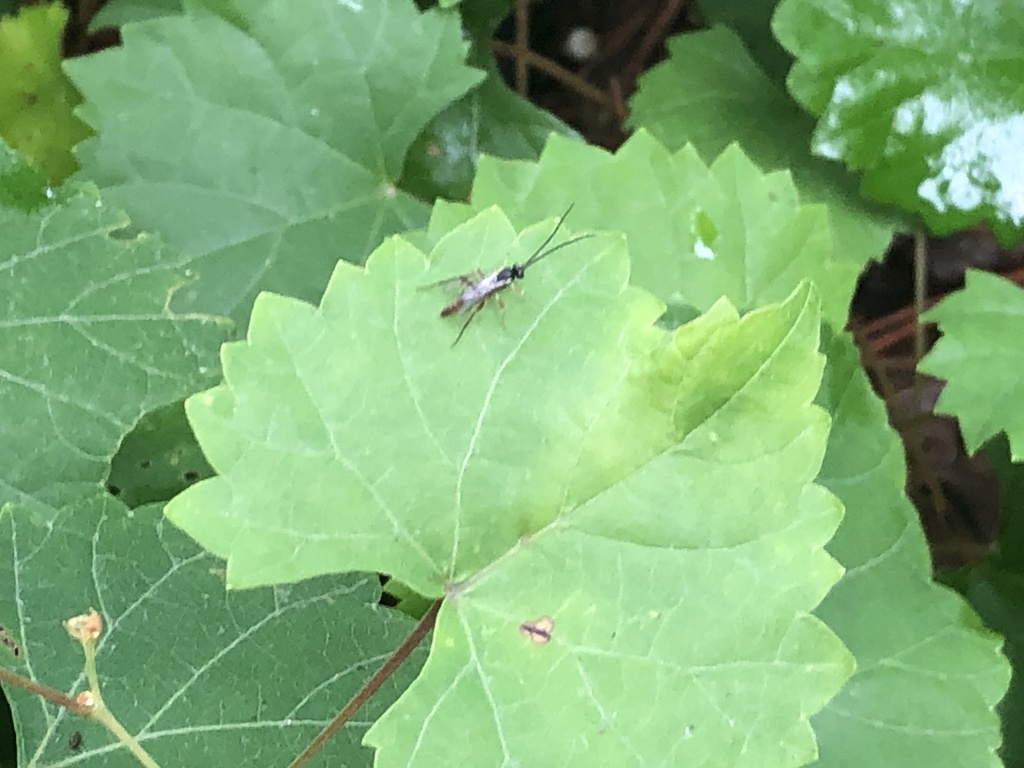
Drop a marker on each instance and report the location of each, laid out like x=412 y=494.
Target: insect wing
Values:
x=466 y=279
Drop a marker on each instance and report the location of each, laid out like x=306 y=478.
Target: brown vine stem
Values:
x=889 y=330
x=563 y=75
x=920 y=299
x=620 y=103
x=656 y=32
x=50 y=694
x=386 y=670
x=522 y=46
x=920 y=304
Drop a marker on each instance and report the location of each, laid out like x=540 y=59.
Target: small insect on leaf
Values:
x=479 y=287
x=9 y=643
x=75 y=742
x=538 y=631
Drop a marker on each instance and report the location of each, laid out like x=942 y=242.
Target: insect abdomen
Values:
x=452 y=308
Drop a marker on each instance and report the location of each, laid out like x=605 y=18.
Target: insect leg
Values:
x=501 y=313
x=472 y=313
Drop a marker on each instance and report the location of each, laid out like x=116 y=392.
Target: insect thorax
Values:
x=509 y=274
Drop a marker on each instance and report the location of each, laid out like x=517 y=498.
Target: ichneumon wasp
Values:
x=479 y=287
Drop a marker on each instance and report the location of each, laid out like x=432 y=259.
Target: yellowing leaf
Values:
x=36 y=99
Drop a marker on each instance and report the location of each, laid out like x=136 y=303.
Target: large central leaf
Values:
x=486 y=436
x=646 y=497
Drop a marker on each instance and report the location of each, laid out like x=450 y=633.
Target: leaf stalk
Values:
x=388 y=668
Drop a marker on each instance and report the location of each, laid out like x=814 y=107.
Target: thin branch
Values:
x=564 y=76
x=620 y=104
x=656 y=33
x=920 y=291
x=50 y=694
x=522 y=46
x=386 y=670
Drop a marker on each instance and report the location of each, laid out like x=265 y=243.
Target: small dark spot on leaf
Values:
x=538 y=631
x=75 y=741
x=191 y=476
x=144 y=463
x=113 y=490
x=8 y=641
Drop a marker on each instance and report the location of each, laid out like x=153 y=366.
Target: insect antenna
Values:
x=540 y=253
x=549 y=251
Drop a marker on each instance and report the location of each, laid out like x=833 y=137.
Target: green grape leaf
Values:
x=198 y=677
x=752 y=21
x=980 y=358
x=1010 y=555
x=87 y=345
x=117 y=13
x=22 y=186
x=924 y=97
x=620 y=519
x=36 y=99
x=997 y=594
x=995 y=588
x=697 y=232
x=928 y=675
x=482 y=17
x=270 y=170
x=158 y=459
x=491 y=119
x=710 y=93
